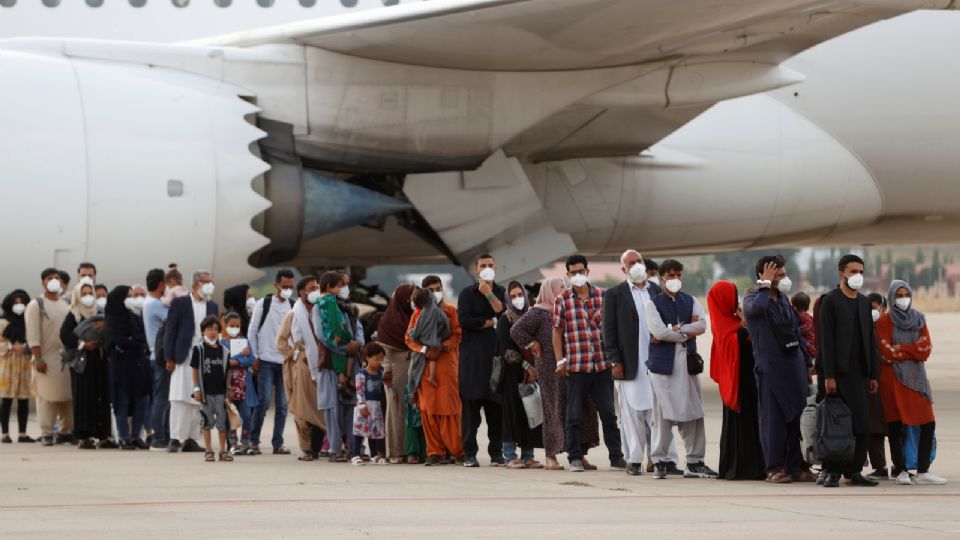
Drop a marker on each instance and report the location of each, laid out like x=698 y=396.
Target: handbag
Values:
x=694 y=363
x=496 y=374
x=233 y=415
x=532 y=403
x=786 y=337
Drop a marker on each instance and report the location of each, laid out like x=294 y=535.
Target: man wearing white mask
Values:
x=653 y=276
x=262 y=335
x=87 y=272
x=478 y=307
x=43 y=318
x=627 y=341
x=675 y=319
x=154 y=314
x=181 y=334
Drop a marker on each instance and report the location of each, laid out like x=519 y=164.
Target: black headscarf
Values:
x=117 y=316
x=393 y=324
x=235 y=299
x=16 y=331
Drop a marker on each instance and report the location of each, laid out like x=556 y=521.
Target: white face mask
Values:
x=784 y=285
x=673 y=285
x=207 y=289
x=438 y=296
x=101 y=302
x=19 y=309
x=138 y=302
x=875 y=314
x=518 y=303
x=413 y=306
x=313 y=296
x=487 y=274
x=638 y=273
x=855 y=281
x=654 y=279
x=578 y=280
x=54 y=286
x=902 y=303
x=88 y=300
x=286 y=294
x=130 y=304
x=251 y=303
x=233 y=331
x=209 y=341
x=86 y=280
x=344 y=293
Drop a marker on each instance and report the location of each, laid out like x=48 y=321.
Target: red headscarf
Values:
x=725 y=353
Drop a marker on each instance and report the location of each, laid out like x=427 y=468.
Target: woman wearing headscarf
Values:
x=731 y=366
x=517 y=369
x=89 y=374
x=15 y=365
x=129 y=367
x=235 y=300
x=535 y=330
x=390 y=334
x=905 y=346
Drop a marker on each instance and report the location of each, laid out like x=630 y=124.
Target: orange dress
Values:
x=901 y=404
x=440 y=405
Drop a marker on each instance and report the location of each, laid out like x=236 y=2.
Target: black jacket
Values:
x=834 y=337
x=621 y=328
x=479 y=344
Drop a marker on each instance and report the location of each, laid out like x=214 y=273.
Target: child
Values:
x=431 y=329
x=878 y=305
x=209 y=365
x=240 y=361
x=175 y=288
x=368 y=415
x=801 y=304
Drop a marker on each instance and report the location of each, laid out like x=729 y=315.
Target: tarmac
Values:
x=62 y=492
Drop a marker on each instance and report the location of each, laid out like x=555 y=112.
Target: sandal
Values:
x=413 y=460
x=779 y=478
x=357 y=461
x=225 y=456
x=305 y=457
x=516 y=464
x=395 y=460
x=208 y=456
x=533 y=464
x=379 y=461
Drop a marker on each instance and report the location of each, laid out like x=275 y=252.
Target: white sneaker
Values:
x=903 y=479
x=357 y=461
x=930 y=478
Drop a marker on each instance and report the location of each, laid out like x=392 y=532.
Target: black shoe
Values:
x=174 y=446
x=6 y=440
x=107 y=444
x=634 y=469
x=673 y=470
x=140 y=444
x=859 y=479
x=659 y=471
x=26 y=439
x=191 y=445
x=127 y=445
x=821 y=477
x=618 y=464
x=65 y=439
x=157 y=444
x=497 y=461
x=471 y=462
x=46 y=441
x=832 y=480
x=699 y=470
x=87 y=444
x=879 y=474
x=149 y=439
x=432 y=461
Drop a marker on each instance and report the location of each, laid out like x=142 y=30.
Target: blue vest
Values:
x=679 y=311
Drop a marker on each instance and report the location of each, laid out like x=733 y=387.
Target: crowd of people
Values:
x=162 y=365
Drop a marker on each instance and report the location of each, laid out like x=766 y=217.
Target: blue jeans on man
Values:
x=270 y=384
x=160 y=411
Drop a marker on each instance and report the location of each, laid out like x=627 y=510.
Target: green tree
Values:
x=903 y=269
x=920 y=258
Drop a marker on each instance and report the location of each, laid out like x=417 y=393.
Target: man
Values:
x=87 y=273
x=154 y=315
x=781 y=370
x=675 y=319
x=848 y=364
x=297 y=342
x=653 y=274
x=64 y=283
x=262 y=335
x=578 y=340
x=43 y=318
x=627 y=342
x=181 y=334
x=478 y=307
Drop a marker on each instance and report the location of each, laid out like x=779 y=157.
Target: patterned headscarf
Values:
x=906 y=324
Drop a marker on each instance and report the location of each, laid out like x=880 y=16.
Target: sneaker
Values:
x=357 y=461
x=497 y=461
x=659 y=471
x=46 y=441
x=174 y=446
x=672 y=469
x=634 y=469
x=879 y=474
x=930 y=478
x=140 y=444
x=432 y=461
x=618 y=464
x=65 y=439
x=903 y=479
x=87 y=444
x=157 y=444
x=699 y=470
x=576 y=465
x=127 y=445
x=471 y=462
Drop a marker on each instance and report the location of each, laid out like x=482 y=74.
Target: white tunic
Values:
x=181 y=380
x=638 y=392
x=678 y=395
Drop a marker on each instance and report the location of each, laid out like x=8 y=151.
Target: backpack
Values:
x=266 y=310
x=835 y=438
x=808 y=432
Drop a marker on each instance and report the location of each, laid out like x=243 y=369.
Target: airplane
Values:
x=233 y=138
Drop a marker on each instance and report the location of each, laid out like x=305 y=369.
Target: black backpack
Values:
x=266 y=310
x=835 y=439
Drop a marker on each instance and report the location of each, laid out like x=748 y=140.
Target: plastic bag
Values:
x=532 y=403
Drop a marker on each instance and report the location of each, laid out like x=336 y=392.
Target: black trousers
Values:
x=895 y=431
x=470 y=423
x=599 y=386
x=878 y=456
x=859 y=458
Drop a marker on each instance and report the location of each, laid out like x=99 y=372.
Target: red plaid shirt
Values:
x=582 y=325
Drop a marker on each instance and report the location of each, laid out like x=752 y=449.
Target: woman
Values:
x=904 y=388
x=129 y=367
x=90 y=377
x=731 y=366
x=440 y=406
x=390 y=335
x=15 y=365
x=535 y=330
x=517 y=370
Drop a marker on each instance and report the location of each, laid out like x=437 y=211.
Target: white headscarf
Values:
x=79 y=310
x=301 y=333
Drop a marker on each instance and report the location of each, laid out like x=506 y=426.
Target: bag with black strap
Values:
x=835 y=439
x=694 y=363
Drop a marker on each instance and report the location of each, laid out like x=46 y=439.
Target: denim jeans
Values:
x=160 y=411
x=125 y=407
x=246 y=421
x=599 y=386
x=510 y=452
x=270 y=384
